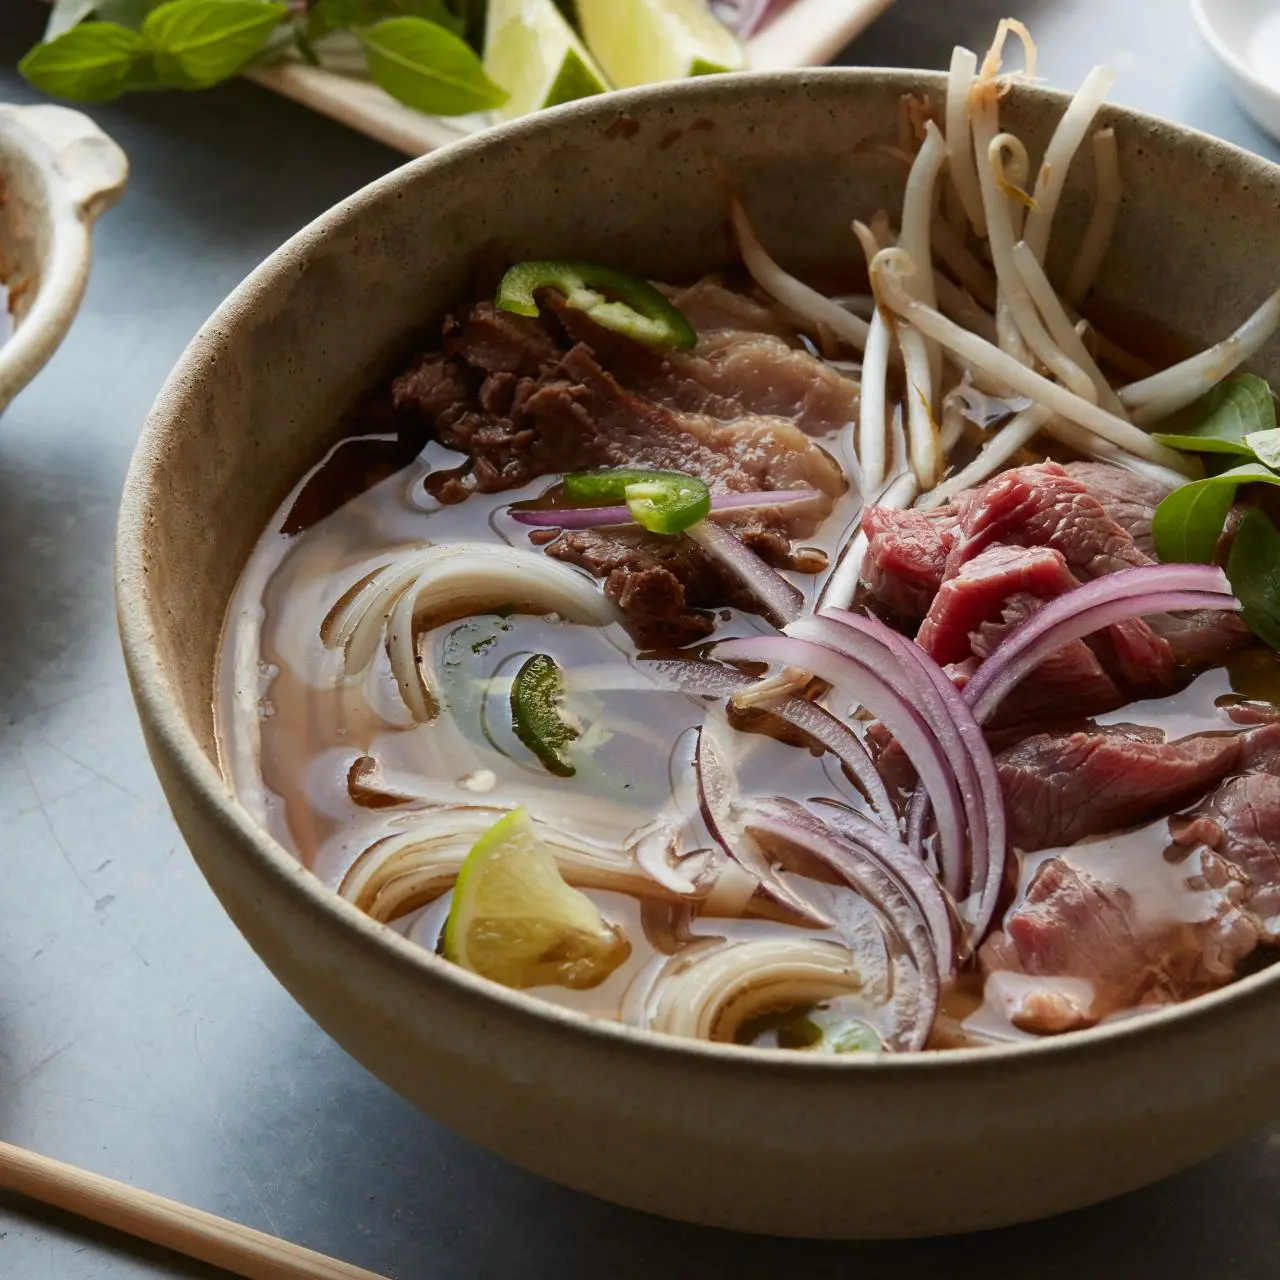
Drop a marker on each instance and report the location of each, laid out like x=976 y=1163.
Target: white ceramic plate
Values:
x=1245 y=37
x=807 y=33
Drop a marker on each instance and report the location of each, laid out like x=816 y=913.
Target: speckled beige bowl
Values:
x=58 y=174
x=715 y=1134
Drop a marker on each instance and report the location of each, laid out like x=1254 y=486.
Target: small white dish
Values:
x=58 y=173
x=1245 y=37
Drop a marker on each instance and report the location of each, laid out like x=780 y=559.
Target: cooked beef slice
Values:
x=1061 y=787
x=1074 y=924
x=1240 y=823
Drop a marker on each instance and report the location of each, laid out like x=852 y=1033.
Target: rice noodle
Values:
x=440 y=583
x=1106 y=204
x=792 y=293
x=964 y=176
x=1174 y=388
x=886 y=271
x=1067 y=137
x=709 y=989
x=421 y=859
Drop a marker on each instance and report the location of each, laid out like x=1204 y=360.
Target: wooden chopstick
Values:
x=239 y=1250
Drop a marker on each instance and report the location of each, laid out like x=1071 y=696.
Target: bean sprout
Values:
x=1106 y=204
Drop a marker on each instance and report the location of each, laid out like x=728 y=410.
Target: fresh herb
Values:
x=618 y=300
x=90 y=63
x=414 y=48
x=428 y=68
x=536 y=715
x=1226 y=420
x=1188 y=523
x=1254 y=570
x=197 y=43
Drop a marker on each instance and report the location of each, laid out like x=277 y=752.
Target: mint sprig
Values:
x=96 y=50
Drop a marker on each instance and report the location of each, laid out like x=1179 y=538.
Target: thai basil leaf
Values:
x=90 y=63
x=428 y=68
x=128 y=13
x=198 y=43
x=1254 y=570
x=1266 y=447
x=1223 y=420
x=1188 y=523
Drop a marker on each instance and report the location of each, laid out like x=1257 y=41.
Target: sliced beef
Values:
x=1043 y=506
x=1202 y=637
x=1077 y=925
x=664 y=584
x=495 y=341
x=711 y=307
x=905 y=560
x=979 y=590
x=1069 y=684
x=1128 y=498
x=1240 y=823
x=733 y=374
x=1061 y=787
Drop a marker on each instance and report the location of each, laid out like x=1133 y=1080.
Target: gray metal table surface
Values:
x=139 y=1035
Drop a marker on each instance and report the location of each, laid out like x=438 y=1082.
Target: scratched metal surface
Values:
x=138 y=1034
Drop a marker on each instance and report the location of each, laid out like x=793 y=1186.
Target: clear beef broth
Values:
x=312 y=729
x=292 y=731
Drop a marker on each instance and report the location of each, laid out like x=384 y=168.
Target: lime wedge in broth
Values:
x=514 y=918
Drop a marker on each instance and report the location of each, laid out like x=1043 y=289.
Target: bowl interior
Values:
x=26 y=221
x=261 y=393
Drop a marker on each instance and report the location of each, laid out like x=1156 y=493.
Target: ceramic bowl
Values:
x=717 y=1134
x=58 y=173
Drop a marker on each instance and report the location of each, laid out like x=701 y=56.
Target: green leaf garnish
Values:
x=427 y=67
x=90 y=63
x=1253 y=568
x=198 y=43
x=1223 y=420
x=1266 y=447
x=1188 y=523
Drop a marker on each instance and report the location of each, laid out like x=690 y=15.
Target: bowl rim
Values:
x=1227 y=55
x=160 y=708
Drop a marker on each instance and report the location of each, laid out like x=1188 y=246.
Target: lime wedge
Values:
x=644 y=41
x=515 y=920
x=534 y=54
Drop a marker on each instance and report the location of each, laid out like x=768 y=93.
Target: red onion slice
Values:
x=716 y=787
x=595 y=517
x=861 y=681
x=781 y=600
x=904 y=864
x=962 y=737
x=1117 y=597
x=713 y=679
x=792 y=823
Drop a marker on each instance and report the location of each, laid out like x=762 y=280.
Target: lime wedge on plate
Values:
x=644 y=41
x=534 y=54
x=515 y=920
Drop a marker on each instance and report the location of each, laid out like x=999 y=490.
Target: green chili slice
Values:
x=660 y=501
x=536 y=714
x=618 y=300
